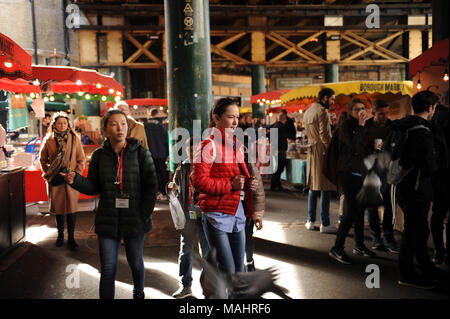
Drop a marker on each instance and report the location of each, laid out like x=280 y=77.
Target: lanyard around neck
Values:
x=119 y=172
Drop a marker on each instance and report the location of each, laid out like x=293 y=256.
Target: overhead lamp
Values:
x=98 y=86
x=8 y=64
x=80 y=93
x=17 y=96
x=78 y=82
x=258 y=100
x=32 y=95
x=52 y=98
x=270 y=114
x=264 y=100
x=36 y=82
x=45 y=99
x=446 y=75
x=117 y=98
x=68 y=96
x=261 y=104
x=87 y=97
x=161 y=108
x=135 y=107
x=301 y=111
x=103 y=98
x=419 y=85
x=118 y=93
x=111 y=91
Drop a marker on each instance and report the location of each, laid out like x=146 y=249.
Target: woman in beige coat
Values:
x=318 y=130
x=62 y=149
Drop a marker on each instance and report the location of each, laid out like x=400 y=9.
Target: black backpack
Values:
x=395 y=145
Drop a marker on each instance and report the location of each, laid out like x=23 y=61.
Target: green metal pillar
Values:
x=188 y=57
x=258 y=86
x=331 y=73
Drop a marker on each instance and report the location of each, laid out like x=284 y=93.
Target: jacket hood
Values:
x=408 y=122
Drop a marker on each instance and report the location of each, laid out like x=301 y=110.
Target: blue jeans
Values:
x=324 y=206
x=109 y=251
x=188 y=239
x=230 y=249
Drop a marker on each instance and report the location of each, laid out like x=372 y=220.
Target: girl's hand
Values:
x=68 y=177
x=237 y=183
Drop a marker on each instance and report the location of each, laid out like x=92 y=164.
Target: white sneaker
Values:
x=309 y=225
x=330 y=229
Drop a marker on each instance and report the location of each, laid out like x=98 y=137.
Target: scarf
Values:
x=58 y=162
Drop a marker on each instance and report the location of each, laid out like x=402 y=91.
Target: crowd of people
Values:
x=222 y=194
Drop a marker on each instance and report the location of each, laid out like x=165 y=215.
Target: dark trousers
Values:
x=249 y=244
x=374 y=219
x=353 y=211
x=414 y=236
x=440 y=211
x=161 y=173
x=281 y=164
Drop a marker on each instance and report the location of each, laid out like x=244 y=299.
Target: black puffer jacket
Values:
x=352 y=147
x=139 y=181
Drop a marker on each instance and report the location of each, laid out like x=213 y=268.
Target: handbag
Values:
x=58 y=179
x=176 y=211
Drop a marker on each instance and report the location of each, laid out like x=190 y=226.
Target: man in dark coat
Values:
x=158 y=143
x=275 y=183
x=415 y=192
x=440 y=181
x=377 y=129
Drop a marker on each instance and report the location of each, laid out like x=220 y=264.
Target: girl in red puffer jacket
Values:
x=225 y=185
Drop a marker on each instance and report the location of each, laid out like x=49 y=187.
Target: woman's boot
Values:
x=60 y=226
x=71 y=219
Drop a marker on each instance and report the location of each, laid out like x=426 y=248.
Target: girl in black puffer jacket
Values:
x=123 y=173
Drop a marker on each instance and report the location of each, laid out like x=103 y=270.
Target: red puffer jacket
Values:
x=214 y=168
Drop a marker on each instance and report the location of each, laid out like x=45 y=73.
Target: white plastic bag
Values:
x=176 y=211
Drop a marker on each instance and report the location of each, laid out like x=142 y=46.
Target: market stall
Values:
x=430 y=69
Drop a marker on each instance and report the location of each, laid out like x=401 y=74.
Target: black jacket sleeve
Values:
x=149 y=182
x=91 y=184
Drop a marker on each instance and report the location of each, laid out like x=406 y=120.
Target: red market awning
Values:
x=138 y=102
x=18 y=86
x=268 y=97
x=15 y=62
x=72 y=80
x=436 y=55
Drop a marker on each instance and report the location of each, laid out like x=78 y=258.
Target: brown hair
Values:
x=109 y=113
x=379 y=104
x=220 y=108
x=353 y=102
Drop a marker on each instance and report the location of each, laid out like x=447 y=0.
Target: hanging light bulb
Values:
x=99 y=86
x=419 y=86
x=36 y=82
x=52 y=98
x=32 y=95
x=446 y=75
x=103 y=98
x=8 y=64
x=78 y=82
x=117 y=98
x=87 y=97
x=80 y=93
x=45 y=99
x=111 y=91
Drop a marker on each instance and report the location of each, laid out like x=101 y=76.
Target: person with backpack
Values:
x=318 y=129
x=440 y=182
x=414 y=191
x=123 y=173
x=352 y=151
x=378 y=128
x=195 y=226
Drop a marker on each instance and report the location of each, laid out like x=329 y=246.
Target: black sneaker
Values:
x=249 y=267
x=416 y=283
x=378 y=245
x=438 y=257
x=364 y=251
x=340 y=255
x=393 y=247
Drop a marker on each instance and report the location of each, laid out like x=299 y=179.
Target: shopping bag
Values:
x=176 y=211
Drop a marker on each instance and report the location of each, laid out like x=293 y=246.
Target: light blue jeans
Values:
x=230 y=249
x=324 y=206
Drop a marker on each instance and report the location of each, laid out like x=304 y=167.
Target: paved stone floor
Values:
x=37 y=269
